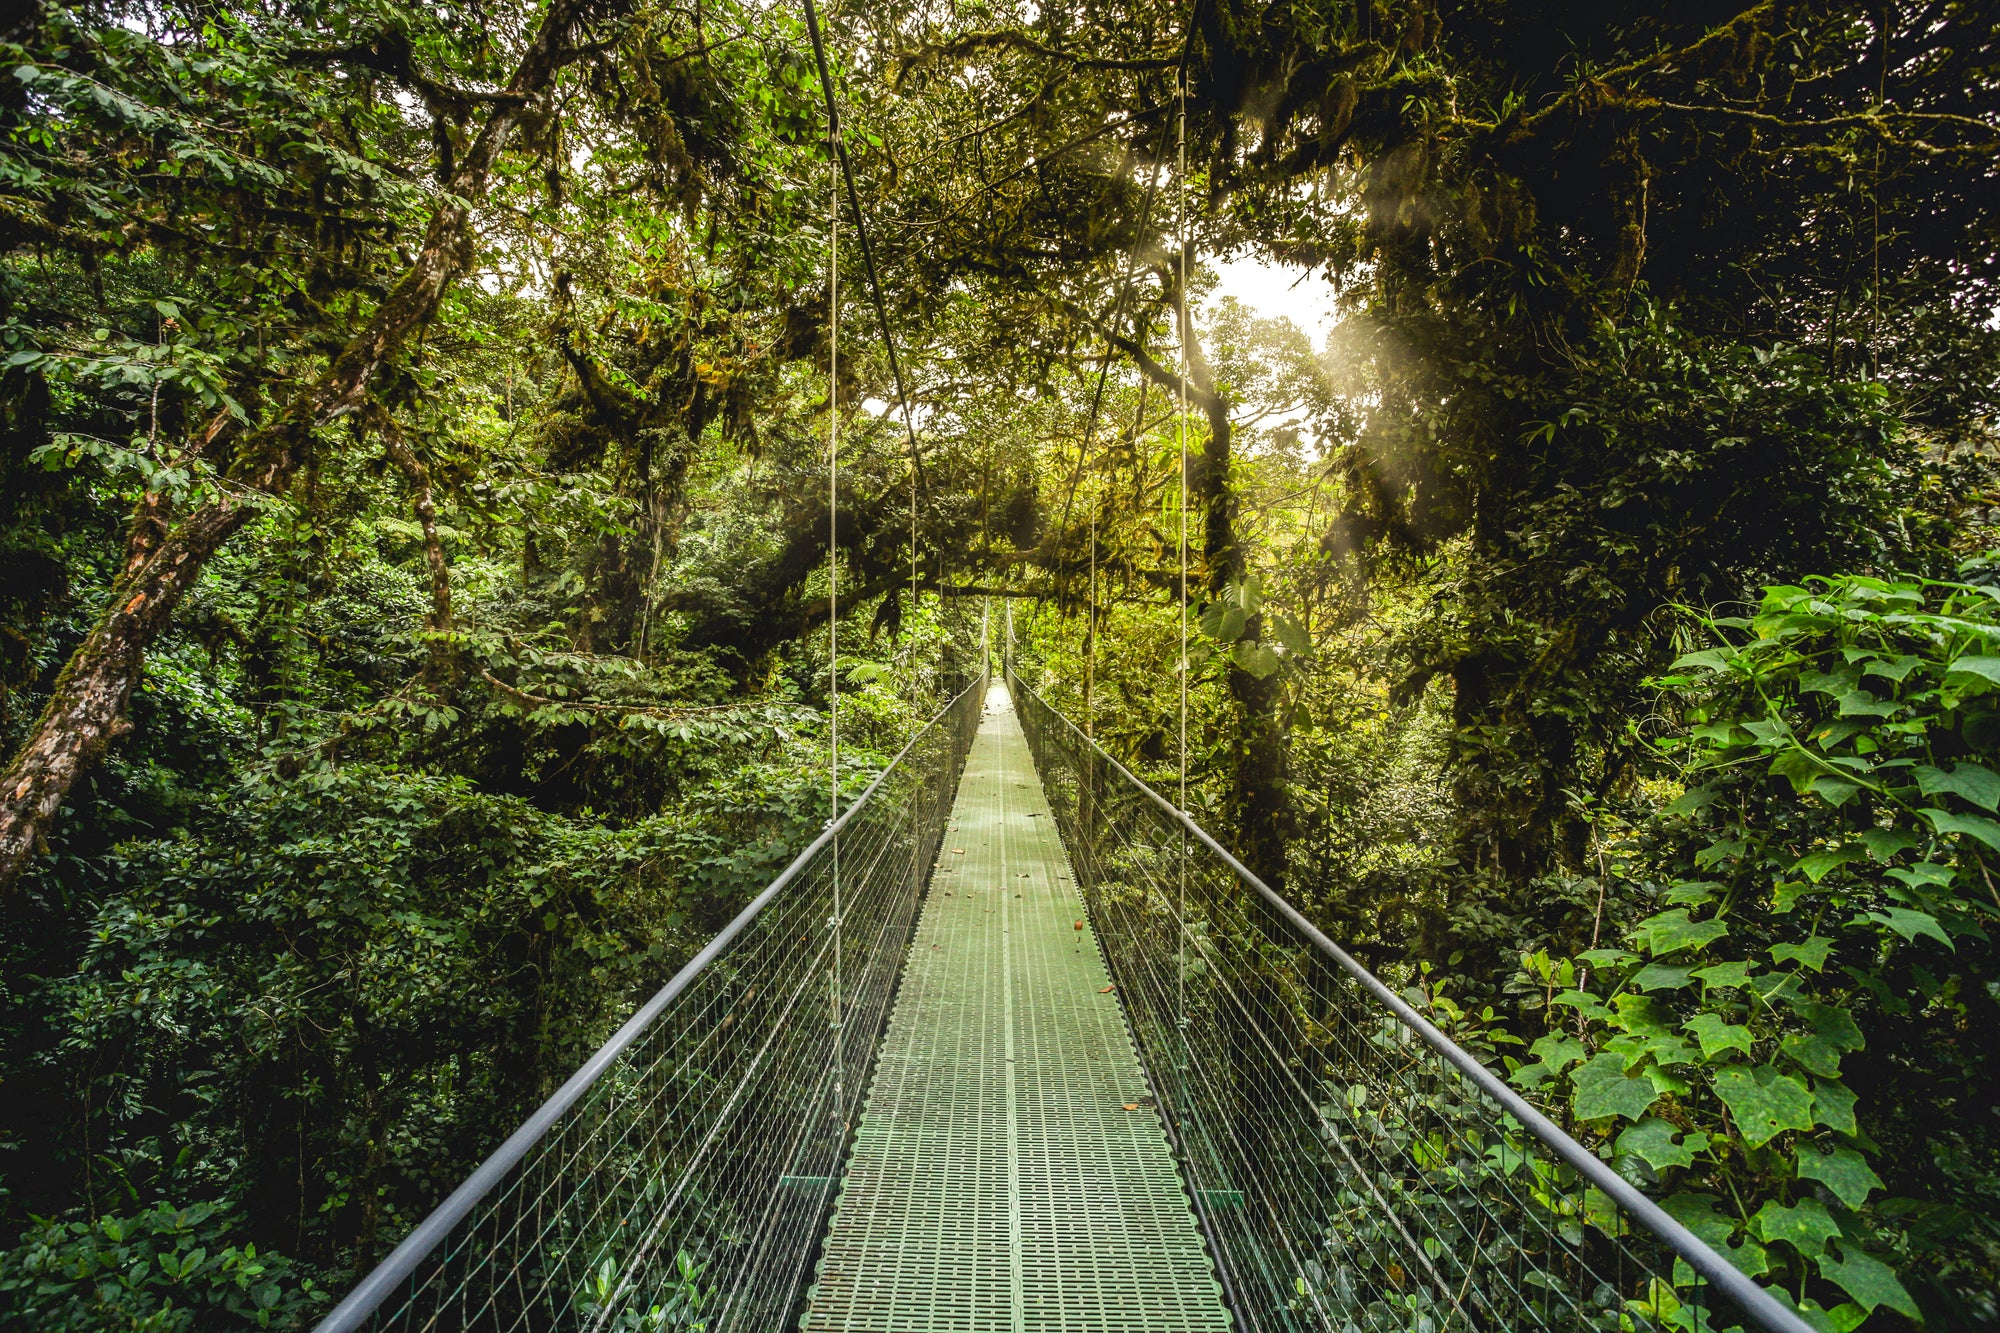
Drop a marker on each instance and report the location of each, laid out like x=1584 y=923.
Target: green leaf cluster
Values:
x=1782 y=1033
x=161 y=1270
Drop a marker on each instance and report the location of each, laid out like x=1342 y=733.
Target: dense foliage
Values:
x=1814 y=932
x=417 y=531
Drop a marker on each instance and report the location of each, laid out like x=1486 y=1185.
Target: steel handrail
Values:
x=1756 y=1302
x=367 y=1295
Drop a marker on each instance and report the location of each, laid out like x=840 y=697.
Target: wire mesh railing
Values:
x=1352 y=1168
x=682 y=1178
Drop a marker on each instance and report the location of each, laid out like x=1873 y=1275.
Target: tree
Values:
x=118 y=94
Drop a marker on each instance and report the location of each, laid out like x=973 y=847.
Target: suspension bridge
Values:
x=1015 y=1045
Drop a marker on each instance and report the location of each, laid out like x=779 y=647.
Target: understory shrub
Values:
x=1792 y=1041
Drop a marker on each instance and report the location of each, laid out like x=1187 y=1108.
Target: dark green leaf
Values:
x=1815 y=865
x=1833 y=1106
x=1604 y=1089
x=1717 y=1035
x=1653 y=1139
x=1670 y=932
x=1291 y=634
x=1843 y=1171
x=1986 y=668
x=1910 y=924
x=1256 y=658
x=1810 y=952
x=1981 y=786
x=1806 y=1226
x=1862 y=1276
x=1697 y=1212
x=1763 y=1102
x=1723 y=976
x=1882 y=844
x=1977 y=826
x=1559 y=1052
x=1222 y=622
x=1689 y=802
x=1812 y=1053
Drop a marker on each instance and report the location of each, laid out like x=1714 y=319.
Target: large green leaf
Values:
x=1604 y=1089
x=1986 y=668
x=1815 y=865
x=1807 y=953
x=1222 y=622
x=1662 y=976
x=1812 y=1053
x=1292 y=634
x=1690 y=801
x=1910 y=924
x=1557 y=1051
x=1642 y=1015
x=1763 y=1102
x=1885 y=844
x=1981 y=786
x=1975 y=826
x=1256 y=658
x=1844 y=1171
x=1697 y=1213
x=1806 y=1226
x=1723 y=976
x=1670 y=932
x=1833 y=1106
x=1654 y=1140
x=1860 y=703
x=1834 y=1023
x=1716 y=1035
x=1867 y=1279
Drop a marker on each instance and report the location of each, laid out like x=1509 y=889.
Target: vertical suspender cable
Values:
x=917 y=713
x=833 y=612
x=1187 y=317
x=1083 y=455
x=1091 y=624
x=1090 y=636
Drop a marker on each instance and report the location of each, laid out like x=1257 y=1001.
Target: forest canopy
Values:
x=418 y=539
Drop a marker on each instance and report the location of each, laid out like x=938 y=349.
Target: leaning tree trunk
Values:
x=164 y=555
x=86 y=711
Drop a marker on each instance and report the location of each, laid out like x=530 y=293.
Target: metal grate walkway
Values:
x=1009 y=1170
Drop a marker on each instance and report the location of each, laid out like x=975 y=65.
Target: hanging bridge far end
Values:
x=1010 y=1169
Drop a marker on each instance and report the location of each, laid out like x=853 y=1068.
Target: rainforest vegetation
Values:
x=415 y=536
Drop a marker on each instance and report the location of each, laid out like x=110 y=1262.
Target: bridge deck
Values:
x=998 y=1180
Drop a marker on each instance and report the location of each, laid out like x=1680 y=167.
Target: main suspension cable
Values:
x=839 y=145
